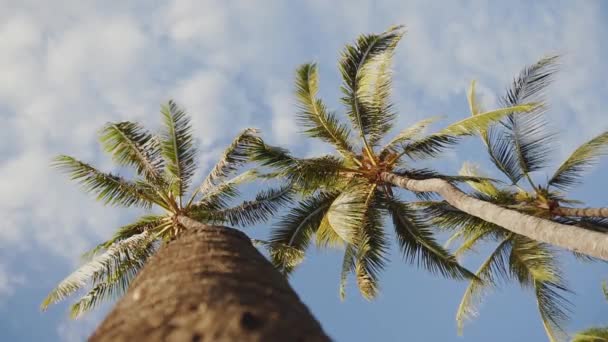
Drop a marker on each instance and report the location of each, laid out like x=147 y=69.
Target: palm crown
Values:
x=518 y=146
x=345 y=201
x=165 y=165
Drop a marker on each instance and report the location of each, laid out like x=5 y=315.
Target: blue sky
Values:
x=67 y=67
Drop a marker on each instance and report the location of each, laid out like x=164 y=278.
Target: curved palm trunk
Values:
x=573 y=238
x=210 y=284
x=580 y=212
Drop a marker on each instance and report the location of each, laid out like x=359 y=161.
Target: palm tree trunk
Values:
x=580 y=212
x=210 y=284
x=573 y=238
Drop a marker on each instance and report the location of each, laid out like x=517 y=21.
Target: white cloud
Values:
x=69 y=66
x=8 y=281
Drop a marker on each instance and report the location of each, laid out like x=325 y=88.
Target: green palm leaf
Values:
x=348 y=267
x=327 y=236
x=296 y=228
x=131 y=145
x=592 y=335
x=481 y=121
x=533 y=264
x=177 y=147
x=109 y=188
x=447 y=218
x=235 y=155
x=371 y=246
x=265 y=204
x=314 y=116
x=148 y=223
x=375 y=88
x=218 y=196
x=418 y=244
x=409 y=133
x=347 y=212
x=435 y=143
x=522 y=143
x=587 y=155
x=114 y=281
x=284 y=257
x=308 y=174
x=493 y=269
x=472 y=239
x=483 y=186
x=356 y=61
x=92 y=269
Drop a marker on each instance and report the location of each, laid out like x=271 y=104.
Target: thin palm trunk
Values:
x=580 y=212
x=573 y=238
x=210 y=284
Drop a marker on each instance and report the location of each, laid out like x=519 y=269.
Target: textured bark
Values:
x=573 y=238
x=210 y=284
x=580 y=212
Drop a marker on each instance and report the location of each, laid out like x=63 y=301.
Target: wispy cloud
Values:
x=69 y=66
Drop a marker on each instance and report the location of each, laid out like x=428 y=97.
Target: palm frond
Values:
x=592 y=335
x=218 y=196
x=530 y=141
x=447 y=218
x=348 y=267
x=522 y=144
x=110 y=189
x=356 y=61
x=587 y=155
x=483 y=186
x=409 y=133
x=326 y=235
x=375 y=88
x=419 y=246
x=92 y=269
x=314 y=116
x=371 y=246
x=132 y=145
x=472 y=239
x=346 y=214
x=149 y=223
x=114 y=281
x=296 y=228
x=491 y=271
x=472 y=125
x=532 y=81
x=265 y=204
x=235 y=155
x=533 y=264
x=551 y=304
x=474 y=105
x=433 y=144
x=177 y=147
x=308 y=174
x=429 y=146
x=284 y=257
x=533 y=261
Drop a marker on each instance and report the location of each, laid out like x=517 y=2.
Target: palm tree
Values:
x=355 y=188
x=346 y=200
x=182 y=279
x=534 y=265
x=594 y=334
x=518 y=146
